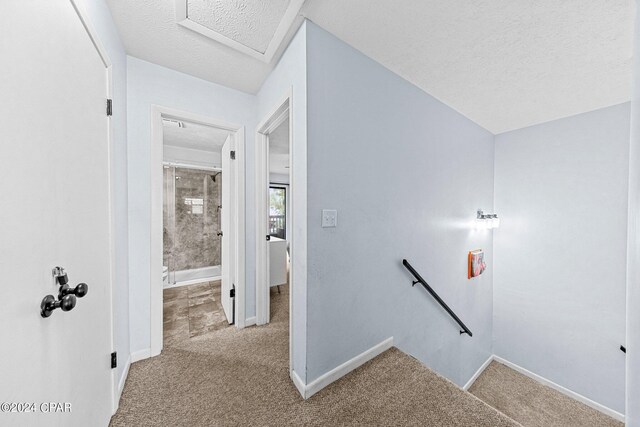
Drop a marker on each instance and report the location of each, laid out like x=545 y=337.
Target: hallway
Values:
x=320 y=213
x=231 y=377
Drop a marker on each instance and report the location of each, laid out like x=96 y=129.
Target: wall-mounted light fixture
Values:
x=486 y=221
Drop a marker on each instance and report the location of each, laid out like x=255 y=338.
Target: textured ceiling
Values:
x=251 y=23
x=194 y=136
x=150 y=32
x=505 y=64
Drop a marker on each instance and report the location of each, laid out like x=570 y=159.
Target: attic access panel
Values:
x=253 y=27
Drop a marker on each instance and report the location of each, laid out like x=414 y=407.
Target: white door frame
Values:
x=272 y=120
x=102 y=52
x=156 y=250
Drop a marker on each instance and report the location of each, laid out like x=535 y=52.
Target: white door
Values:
x=54 y=211
x=228 y=229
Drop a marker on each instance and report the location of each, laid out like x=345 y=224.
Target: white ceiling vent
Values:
x=253 y=27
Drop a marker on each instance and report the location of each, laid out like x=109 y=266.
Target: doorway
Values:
x=194 y=182
x=197 y=277
x=274 y=207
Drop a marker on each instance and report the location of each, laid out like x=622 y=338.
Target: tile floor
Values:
x=192 y=310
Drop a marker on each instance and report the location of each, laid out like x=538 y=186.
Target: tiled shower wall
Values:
x=191 y=218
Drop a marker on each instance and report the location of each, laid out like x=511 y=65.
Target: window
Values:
x=278 y=212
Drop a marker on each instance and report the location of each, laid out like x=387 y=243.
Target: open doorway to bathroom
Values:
x=198 y=229
x=197 y=226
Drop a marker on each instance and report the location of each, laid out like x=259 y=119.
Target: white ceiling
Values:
x=504 y=64
x=150 y=32
x=279 y=149
x=194 y=136
x=251 y=23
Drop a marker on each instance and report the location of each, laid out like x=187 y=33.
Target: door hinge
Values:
x=114 y=360
x=623 y=349
x=268 y=238
x=232 y=293
x=232 y=154
x=109 y=107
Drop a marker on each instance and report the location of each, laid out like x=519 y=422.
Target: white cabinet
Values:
x=277 y=261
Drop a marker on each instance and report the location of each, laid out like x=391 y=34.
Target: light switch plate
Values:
x=329 y=218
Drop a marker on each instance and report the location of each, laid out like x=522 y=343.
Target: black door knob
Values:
x=79 y=291
x=49 y=304
x=67 y=303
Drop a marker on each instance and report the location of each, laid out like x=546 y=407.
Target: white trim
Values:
x=250 y=321
x=342 y=370
x=271 y=121
x=139 y=355
x=156 y=160
x=475 y=376
x=275 y=117
x=123 y=379
x=572 y=394
x=106 y=61
x=92 y=35
x=297 y=381
x=241 y=226
x=288 y=19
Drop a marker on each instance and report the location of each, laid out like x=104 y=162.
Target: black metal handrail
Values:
x=433 y=293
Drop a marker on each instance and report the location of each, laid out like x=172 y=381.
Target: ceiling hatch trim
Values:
x=288 y=18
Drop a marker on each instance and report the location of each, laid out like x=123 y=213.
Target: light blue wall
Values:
x=150 y=84
x=406 y=174
x=290 y=75
x=633 y=260
x=560 y=252
x=101 y=19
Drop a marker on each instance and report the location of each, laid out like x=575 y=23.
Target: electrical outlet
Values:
x=329 y=218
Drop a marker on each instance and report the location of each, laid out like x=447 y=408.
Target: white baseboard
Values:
x=123 y=377
x=324 y=380
x=121 y=381
x=475 y=376
x=250 y=321
x=297 y=381
x=572 y=394
x=140 y=355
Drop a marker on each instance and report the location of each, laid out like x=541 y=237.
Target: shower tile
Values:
x=191 y=218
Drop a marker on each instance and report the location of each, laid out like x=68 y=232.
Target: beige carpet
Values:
x=531 y=403
x=230 y=377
